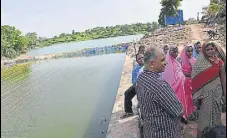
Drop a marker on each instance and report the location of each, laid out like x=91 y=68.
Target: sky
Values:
x=53 y=17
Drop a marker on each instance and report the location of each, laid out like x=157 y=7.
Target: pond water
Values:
x=70 y=47
x=63 y=98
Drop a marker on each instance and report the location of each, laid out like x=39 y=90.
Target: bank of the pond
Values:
x=68 y=47
x=86 y=52
x=123 y=128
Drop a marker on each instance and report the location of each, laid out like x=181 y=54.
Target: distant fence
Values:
x=80 y=53
x=173 y=20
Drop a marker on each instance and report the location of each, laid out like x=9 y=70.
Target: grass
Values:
x=15 y=70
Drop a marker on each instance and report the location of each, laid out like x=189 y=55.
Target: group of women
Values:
x=198 y=74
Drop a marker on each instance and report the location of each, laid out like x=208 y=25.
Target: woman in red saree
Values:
x=187 y=61
x=174 y=76
x=209 y=86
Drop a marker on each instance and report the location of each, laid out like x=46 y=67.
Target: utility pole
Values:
x=198 y=16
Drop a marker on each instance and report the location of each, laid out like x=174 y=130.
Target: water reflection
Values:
x=63 y=98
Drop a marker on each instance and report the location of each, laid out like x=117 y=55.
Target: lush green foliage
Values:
x=102 y=32
x=169 y=7
x=214 y=8
x=13 y=43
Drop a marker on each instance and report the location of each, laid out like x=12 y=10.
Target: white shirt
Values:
x=141 y=71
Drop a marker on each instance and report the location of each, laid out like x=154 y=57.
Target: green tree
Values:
x=102 y=32
x=214 y=8
x=32 y=39
x=13 y=42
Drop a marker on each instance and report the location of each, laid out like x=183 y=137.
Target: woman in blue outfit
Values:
x=197 y=49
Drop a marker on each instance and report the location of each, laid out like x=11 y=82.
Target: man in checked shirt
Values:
x=160 y=108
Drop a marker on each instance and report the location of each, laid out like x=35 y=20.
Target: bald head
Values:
x=154 y=59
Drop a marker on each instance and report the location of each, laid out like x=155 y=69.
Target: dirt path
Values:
x=195 y=32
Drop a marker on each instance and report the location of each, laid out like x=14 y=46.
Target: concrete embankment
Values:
x=126 y=128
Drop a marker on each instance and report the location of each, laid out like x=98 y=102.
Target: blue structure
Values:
x=173 y=20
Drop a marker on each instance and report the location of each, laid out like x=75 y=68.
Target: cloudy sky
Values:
x=52 y=17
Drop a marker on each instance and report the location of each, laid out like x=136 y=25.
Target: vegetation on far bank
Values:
x=13 y=43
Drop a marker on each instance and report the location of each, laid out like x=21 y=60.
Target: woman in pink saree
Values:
x=174 y=76
x=187 y=61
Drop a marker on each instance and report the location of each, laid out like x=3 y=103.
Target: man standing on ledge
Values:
x=131 y=91
x=160 y=108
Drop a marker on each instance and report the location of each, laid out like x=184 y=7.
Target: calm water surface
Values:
x=59 y=48
x=64 y=98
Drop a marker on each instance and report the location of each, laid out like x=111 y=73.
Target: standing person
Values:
x=174 y=75
x=187 y=61
x=197 y=49
x=160 y=108
x=209 y=86
x=131 y=91
x=165 y=49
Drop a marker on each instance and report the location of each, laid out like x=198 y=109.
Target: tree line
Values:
x=14 y=43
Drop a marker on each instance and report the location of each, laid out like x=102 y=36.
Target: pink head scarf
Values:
x=186 y=61
x=171 y=74
x=174 y=76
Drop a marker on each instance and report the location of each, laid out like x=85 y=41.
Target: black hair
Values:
x=198 y=43
x=141 y=47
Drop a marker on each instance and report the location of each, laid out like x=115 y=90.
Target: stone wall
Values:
x=173 y=35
